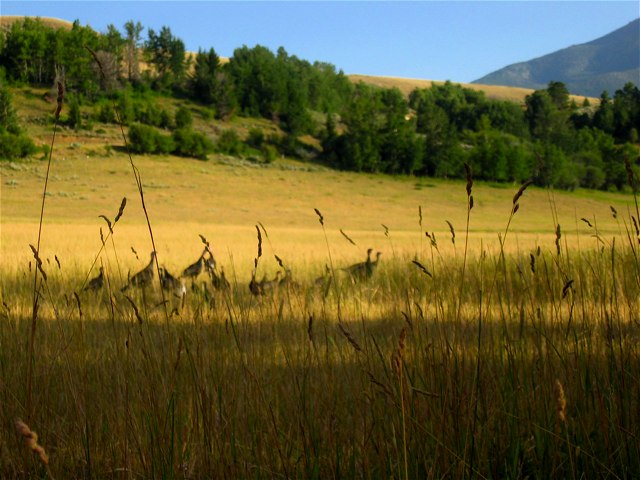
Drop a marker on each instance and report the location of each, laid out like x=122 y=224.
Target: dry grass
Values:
x=7 y=20
x=495 y=92
x=501 y=357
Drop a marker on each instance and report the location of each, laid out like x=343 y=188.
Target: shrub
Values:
x=126 y=108
x=256 y=138
x=15 y=145
x=143 y=138
x=269 y=153
x=183 y=118
x=74 y=117
x=166 y=119
x=149 y=113
x=103 y=111
x=230 y=143
x=190 y=143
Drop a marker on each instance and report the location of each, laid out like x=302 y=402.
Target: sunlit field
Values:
x=499 y=341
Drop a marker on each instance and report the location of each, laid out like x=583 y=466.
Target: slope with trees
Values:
x=433 y=132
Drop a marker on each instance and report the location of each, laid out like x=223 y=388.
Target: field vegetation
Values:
x=502 y=345
x=496 y=336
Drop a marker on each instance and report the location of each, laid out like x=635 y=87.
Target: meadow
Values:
x=498 y=337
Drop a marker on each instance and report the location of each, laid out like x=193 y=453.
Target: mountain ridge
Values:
x=589 y=68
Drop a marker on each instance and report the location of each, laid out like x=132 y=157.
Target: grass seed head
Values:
x=120 y=210
x=453 y=232
x=467 y=170
x=561 y=402
x=348 y=238
x=356 y=346
x=521 y=190
x=31 y=440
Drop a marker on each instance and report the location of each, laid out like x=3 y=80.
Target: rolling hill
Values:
x=606 y=63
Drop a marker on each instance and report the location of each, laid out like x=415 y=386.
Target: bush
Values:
x=230 y=143
x=183 y=118
x=103 y=111
x=164 y=144
x=269 y=153
x=126 y=108
x=74 y=117
x=149 y=113
x=166 y=119
x=256 y=138
x=191 y=144
x=15 y=145
x=144 y=139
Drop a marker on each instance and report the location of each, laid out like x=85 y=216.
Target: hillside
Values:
x=224 y=197
x=606 y=63
x=494 y=92
x=405 y=85
x=7 y=20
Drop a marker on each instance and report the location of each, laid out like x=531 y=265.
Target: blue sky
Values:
x=447 y=40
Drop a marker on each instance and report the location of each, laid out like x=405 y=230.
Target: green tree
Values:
x=74 y=116
x=8 y=116
x=13 y=142
x=603 y=119
x=168 y=56
x=133 y=31
x=24 y=52
x=559 y=94
x=546 y=122
x=203 y=83
x=400 y=149
x=626 y=113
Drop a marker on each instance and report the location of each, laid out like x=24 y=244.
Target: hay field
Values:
x=224 y=198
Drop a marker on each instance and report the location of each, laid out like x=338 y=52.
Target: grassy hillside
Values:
x=495 y=92
x=224 y=197
x=7 y=20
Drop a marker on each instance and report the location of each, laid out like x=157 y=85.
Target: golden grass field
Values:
x=223 y=199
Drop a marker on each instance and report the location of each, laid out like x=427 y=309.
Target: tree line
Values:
x=434 y=132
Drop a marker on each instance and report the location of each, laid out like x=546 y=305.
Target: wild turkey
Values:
x=371 y=266
x=287 y=280
x=95 y=283
x=255 y=287
x=144 y=277
x=193 y=270
x=210 y=264
x=171 y=283
x=271 y=285
x=359 y=271
x=219 y=282
x=325 y=280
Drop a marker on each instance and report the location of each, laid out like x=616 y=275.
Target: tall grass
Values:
x=485 y=365
x=287 y=385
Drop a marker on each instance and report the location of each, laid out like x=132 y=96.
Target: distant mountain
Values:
x=606 y=63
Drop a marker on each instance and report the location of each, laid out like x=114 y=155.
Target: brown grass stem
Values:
x=34 y=316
